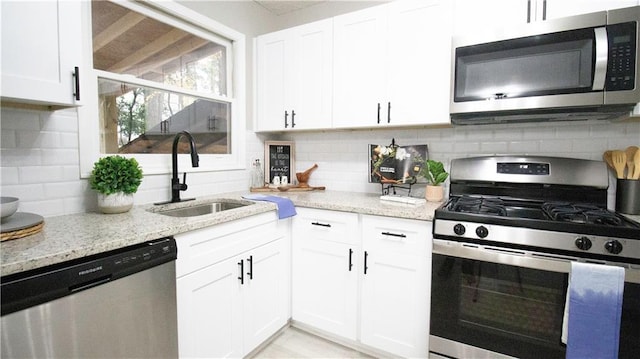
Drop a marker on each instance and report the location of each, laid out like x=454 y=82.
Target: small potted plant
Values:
x=116 y=179
x=435 y=174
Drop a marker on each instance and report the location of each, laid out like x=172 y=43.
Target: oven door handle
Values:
x=514 y=257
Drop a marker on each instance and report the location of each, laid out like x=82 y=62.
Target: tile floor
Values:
x=294 y=343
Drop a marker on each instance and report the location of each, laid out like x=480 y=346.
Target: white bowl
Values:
x=9 y=206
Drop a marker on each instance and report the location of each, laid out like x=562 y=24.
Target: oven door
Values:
x=490 y=302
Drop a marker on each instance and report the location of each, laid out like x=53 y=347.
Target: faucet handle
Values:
x=183 y=186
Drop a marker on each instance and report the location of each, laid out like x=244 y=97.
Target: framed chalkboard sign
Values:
x=279 y=161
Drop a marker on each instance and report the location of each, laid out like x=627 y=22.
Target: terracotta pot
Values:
x=115 y=203
x=434 y=193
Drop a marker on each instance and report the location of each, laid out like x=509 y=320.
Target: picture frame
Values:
x=279 y=160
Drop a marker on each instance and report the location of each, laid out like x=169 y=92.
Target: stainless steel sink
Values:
x=202 y=209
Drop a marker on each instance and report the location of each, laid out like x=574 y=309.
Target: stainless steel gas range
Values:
x=503 y=247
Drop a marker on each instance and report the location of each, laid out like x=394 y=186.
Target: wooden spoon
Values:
x=619 y=159
x=636 y=162
x=631 y=152
x=607 y=158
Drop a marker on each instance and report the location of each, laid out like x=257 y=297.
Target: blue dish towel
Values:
x=285 y=206
x=594 y=301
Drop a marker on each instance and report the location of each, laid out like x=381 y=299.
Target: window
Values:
x=153 y=75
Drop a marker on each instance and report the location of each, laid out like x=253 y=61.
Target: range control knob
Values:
x=583 y=243
x=613 y=247
x=459 y=229
x=482 y=231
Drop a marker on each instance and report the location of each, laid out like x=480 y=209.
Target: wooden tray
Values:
x=21 y=225
x=286 y=189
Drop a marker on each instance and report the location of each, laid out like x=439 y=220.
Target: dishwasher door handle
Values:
x=90 y=284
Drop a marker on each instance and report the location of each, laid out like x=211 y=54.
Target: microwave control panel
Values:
x=622 y=57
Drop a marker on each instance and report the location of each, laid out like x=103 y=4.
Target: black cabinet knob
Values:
x=459 y=229
x=583 y=243
x=613 y=247
x=482 y=231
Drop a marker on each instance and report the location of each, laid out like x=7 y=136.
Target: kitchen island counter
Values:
x=78 y=235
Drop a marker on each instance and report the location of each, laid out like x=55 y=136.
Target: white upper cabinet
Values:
x=563 y=8
x=391 y=65
x=473 y=15
x=294 y=78
x=360 y=73
x=41 y=47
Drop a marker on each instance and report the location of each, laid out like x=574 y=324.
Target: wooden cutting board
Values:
x=286 y=189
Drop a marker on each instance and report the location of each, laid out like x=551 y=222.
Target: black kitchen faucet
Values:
x=176 y=186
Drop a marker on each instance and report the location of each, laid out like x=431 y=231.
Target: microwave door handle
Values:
x=602 y=54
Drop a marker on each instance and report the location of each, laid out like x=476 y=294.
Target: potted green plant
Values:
x=434 y=173
x=116 y=179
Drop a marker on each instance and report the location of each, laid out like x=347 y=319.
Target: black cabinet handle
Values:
x=401 y=235
x=250 y=272
x=321 y=224
x=350 y=259
x=366 y=256
x=286 y=119
x=378 y=112
x=293 y=116
x=544 y=10
x=76 y=77
x=241 y=277
x=388 y=112
x=528 y=11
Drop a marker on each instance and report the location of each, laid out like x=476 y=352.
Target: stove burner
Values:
x=580 y=213
x=488 y=206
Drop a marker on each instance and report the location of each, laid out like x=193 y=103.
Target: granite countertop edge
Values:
x=75 y=236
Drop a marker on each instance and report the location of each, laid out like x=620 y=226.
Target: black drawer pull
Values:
x=321 y=224
x=366 y=256
x=394 y=234
x=76 y=77
x=241 y=277
x=286 y=122
x=350 y=259
x=250 y=272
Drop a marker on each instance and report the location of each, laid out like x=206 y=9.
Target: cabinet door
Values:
x=264 y=293
x=325 y=285
x=395 y=287
x=41 y=45
x=418 y=70
x=274 y=72
x=360 y=73
x=563 y=8
x=210 y=312
x=312 y=93
x=472 y=16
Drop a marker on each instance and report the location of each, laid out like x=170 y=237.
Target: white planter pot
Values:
x=434 y=193
x=115 y=203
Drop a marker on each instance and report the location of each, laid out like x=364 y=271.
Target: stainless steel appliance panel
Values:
x=133 y=316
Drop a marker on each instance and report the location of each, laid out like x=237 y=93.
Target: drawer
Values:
x=397 y=235
x=333 y=226
x=204 y=247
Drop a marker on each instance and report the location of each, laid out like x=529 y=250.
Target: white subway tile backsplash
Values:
x=9 y=175
x=40 y=165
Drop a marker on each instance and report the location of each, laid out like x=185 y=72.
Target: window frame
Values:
x=188 y=20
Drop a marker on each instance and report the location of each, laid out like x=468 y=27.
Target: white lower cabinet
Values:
x=325 y=270
x=395 y=285
x=363 y=278
x=232 y=286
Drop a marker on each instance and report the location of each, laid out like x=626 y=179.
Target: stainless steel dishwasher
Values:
x=118 y=304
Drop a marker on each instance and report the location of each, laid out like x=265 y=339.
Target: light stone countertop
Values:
x=75 y=236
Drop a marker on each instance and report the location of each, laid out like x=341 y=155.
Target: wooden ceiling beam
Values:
x=149 y=50
x=116 y=29
x=171 y=54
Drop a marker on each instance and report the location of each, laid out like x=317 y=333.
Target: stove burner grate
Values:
x=488 y=206
x=580 y=213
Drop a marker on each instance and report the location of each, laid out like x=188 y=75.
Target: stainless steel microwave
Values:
x=574 y=68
